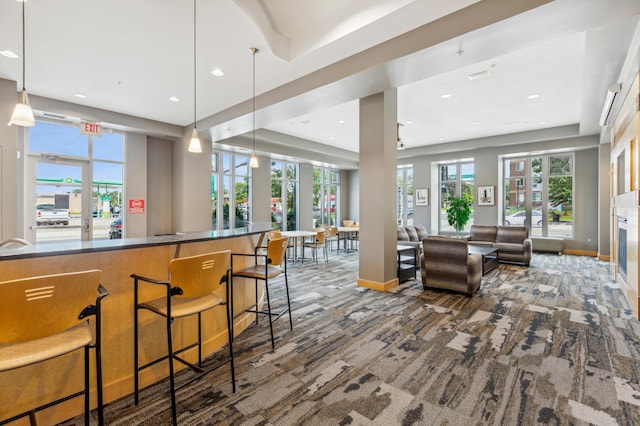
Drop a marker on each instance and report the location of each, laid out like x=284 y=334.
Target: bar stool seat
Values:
x=183 y=306
x=45 y=317
x=32 y=351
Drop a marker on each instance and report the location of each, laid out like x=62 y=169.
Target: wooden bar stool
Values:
x=190 y=291
x=265 y=267
x=45 y=317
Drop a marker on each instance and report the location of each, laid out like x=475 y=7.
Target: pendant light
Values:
x=253 y=163
x=194 y=144
x=22 y=114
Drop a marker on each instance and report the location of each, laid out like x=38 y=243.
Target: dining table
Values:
x=298 y=241
x=346 y=234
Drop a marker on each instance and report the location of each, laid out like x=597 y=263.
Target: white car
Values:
x=520 y=218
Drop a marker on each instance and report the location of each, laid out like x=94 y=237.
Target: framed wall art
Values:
x=486 y=196
x=422 y=197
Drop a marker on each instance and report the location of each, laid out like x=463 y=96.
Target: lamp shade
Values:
x=194 y=144
x=253 y=162
x=22 y=113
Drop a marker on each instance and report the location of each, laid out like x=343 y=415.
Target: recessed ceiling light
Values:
x=174 y=99
x=8 y=54
x=476 y=122
x=479 y=75
x=533 y=96
x=441 y=139
x=217 y=72
x=408 y=122
x=341 y=121
x=331 y=138
x=80 y=95
x=446 y=95
x=543 y=122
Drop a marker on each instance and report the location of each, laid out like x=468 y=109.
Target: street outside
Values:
x=71 y=232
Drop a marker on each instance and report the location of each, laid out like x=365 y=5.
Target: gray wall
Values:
x=8 y=163
x=261 y=191
x=160 y=189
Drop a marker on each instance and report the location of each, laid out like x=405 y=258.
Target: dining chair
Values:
x=192 y=289
x=318 y=242
x=45 y=317
x=332 y=235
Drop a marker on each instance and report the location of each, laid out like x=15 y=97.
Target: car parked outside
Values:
x=520 y=218
x=115 y=229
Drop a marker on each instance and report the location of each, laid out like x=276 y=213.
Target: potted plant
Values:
x=458 y=212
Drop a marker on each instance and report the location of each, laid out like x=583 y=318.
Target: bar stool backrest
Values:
x=274 y=234
x=37 y=307
x=276 y=250
x=200 y=275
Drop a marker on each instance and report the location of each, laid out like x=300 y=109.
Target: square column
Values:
x=378 y=174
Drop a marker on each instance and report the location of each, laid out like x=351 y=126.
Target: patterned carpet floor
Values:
x=555 y=343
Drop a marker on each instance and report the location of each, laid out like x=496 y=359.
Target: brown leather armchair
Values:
x=447 y=264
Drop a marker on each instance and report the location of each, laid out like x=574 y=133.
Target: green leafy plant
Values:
x=458 y=212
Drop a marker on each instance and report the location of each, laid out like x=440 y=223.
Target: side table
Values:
x=407 y=262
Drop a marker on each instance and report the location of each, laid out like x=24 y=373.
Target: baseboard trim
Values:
x=604 y=257
x=374 y=285
x=581 y=252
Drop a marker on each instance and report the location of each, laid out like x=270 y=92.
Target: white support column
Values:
x=378 y=169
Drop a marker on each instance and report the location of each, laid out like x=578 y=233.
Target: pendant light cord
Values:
x=24 y=49
x=195 y=126
x=254 y=50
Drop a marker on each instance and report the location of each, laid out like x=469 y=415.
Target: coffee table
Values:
x=489 y=257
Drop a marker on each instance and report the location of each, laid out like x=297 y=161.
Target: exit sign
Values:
x=90 y=129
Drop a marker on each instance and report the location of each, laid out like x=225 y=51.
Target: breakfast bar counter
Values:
x=118 y=259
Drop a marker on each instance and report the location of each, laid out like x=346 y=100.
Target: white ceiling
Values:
x=131 y=56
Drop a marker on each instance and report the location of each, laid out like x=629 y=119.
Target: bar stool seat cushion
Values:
x=20 y=354
x=257 y=271
x=183 y=306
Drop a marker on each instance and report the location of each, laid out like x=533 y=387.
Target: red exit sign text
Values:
x=90 y=129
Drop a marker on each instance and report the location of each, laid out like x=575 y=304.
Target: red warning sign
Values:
x=136 y=206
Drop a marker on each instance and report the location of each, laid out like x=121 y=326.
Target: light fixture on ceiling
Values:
x=9 y=54
x=612 y=93
x=253 y=163
x=194 y=145
x=22 y=113
x=479 y=75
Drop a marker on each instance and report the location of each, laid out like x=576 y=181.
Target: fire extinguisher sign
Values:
x=136 y=206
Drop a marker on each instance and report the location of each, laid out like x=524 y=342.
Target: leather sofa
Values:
x=412 y=235
x=513 y=242
x=447 y=264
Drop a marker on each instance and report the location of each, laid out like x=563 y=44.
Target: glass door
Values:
x=59 y=200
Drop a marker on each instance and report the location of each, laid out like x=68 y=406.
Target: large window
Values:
x=284 y=194
x=538 y=193
x=456 y=180
x=405 y=195
x=76 y=175
x=326 y=186
x=230 y=178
